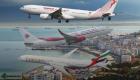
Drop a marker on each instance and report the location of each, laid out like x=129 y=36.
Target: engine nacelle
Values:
x=112 y=14
x=44 y=16
x=108 y=14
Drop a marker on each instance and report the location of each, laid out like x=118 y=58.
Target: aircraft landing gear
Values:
x=59 y=21
x=29 y=16
x=109 y=18
x=67 y=21
x=102 y=18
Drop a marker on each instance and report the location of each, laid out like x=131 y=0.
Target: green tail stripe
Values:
x=105 y=53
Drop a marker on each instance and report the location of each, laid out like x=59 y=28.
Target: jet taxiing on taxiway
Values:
x=67 y=14
x=69 y=38
x=65 y=62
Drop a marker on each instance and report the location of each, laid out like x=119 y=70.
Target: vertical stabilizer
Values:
x=109 y=6
x=28 y=37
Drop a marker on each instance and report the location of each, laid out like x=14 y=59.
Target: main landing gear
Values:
x=59 y=21
x=67 y=21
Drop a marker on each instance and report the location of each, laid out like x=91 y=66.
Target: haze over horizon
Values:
x=126 y=10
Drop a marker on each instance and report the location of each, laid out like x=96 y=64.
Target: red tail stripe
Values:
x=114 y=1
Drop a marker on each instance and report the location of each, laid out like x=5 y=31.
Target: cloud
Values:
x=14 y=2
x=22 y=2
x=82 y=2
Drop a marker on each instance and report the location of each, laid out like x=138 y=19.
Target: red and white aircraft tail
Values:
x=109 y=6
x=28 y=37
x=108 y=9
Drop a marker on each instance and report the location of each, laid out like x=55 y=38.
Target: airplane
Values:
x=66 y=39
x=64 y=62
x=68 y=14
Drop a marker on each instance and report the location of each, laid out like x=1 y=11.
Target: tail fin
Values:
x=109 y=7
x=28 y=37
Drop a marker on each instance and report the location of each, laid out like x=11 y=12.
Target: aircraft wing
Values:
x=60 y=67
x=70 y=53
x=89 y=52
x=57 y=14
x=71 y=39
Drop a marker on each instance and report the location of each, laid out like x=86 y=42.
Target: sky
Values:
x=9 y=9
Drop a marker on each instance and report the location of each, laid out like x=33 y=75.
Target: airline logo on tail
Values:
x=110 y=5
x=114 y=1
x=97 y=60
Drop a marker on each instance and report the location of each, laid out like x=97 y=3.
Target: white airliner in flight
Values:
x=70 y=38
x=65 y=62
x=67 y=14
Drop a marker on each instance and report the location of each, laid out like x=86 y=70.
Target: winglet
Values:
x=61 y=32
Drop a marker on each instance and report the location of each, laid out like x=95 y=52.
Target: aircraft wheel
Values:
x=109 y=18
x=51 y=17
x=67 y=21
x=103 y=19
x=59 y=21
x=29 y=16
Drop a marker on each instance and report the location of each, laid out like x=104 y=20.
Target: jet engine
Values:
x=44 y=16
x=109 y=15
